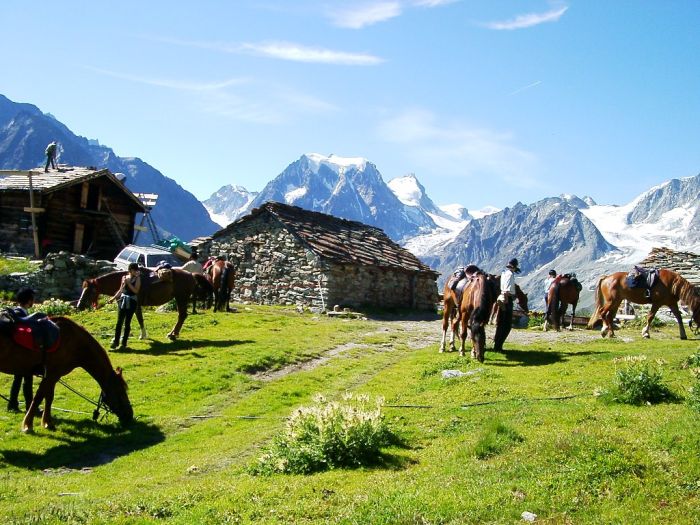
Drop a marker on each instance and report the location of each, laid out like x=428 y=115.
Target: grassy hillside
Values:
x=523 y=432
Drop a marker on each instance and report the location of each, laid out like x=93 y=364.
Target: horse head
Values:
x=114 y=395
x=88 y=296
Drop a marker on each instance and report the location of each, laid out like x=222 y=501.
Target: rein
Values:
x=99 y=405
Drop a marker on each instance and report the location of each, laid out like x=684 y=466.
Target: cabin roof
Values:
x=687 y=264
x=55 y=180
x=336 y=239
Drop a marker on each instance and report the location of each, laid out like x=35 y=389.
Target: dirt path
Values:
x=425 y=333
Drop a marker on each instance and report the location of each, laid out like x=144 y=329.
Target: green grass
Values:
x=524 y=431
x=15 y=264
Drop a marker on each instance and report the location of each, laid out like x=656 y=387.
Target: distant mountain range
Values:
x=567 y=233
x=25 y=131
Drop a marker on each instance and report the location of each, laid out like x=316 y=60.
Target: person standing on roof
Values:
x=50 y=156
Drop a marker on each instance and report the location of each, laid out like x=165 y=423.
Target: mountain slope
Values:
x=25 y=131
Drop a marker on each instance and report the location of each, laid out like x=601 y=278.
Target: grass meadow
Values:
x=524 y=432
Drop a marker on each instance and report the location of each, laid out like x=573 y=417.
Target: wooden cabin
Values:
x=80 y=210
x=287 y=255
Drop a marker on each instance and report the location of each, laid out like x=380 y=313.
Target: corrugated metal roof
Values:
x=337 y=239
x=54 y=180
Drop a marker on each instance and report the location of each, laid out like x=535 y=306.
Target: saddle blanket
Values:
x=26 y=336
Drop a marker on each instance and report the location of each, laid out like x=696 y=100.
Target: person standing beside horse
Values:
x=547 y=285
x=127 y=295
x=25 y=300
x=505 y=315
x=193 y=265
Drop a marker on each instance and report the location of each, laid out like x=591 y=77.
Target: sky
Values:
x=487 y=102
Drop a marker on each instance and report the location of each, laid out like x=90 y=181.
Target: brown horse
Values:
x=564 y=291
x=180 y=288
x=473 y=315
x=670 y=288
x=450 y=313
x=76 y=348
x=222 y=276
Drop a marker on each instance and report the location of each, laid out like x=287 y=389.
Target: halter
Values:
x=99 y=405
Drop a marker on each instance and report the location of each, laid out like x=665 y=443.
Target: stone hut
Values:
x=76 y=209
x=686 y=264
x=287 y=255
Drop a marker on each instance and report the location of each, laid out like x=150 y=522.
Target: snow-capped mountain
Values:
x=347 y=187
x=229 y=203
x=25 y=131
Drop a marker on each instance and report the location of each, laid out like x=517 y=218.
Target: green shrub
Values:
x=15 y=264
x=53 y=307
x=693 y=399
x=639 y=382
x=692 y=361
x=536 y=320
x=328 y=435
x=496 y=438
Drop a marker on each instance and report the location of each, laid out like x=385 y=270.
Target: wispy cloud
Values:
x=528 y=20
x=365 y=15
x=521 y=89
x=459 y=150
x=373 y=12
x=172 y=84
x=282 y=51
x=240 y=99
x=299 y=53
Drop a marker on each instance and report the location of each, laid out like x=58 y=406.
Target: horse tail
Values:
x=223 y=285
x=598 y=303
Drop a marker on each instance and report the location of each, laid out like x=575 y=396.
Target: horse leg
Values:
x=181 y=316
x=28 y=421
x=139 y=318
x=677 y=315
x=445 y=324
x=573 y=314
x=462 y=334
x=478 y=341
x=650 y=318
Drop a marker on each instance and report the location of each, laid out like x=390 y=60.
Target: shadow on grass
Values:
x=539 y=357
x=81 y=448
x=170 y=347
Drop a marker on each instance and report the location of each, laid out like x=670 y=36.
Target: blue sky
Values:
x=487 y=102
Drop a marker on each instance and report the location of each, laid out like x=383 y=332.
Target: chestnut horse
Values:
x=222 y=276
x=76 y=348
x=450 y=314
x=181 y=288
x=564 y=291
x=669 y=288
x=474 y=312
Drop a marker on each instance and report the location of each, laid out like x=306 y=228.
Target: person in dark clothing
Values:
x=50 y=156
x=505 y=300
x=127 y=297
x=25 y=300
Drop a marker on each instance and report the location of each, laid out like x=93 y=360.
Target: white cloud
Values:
x=172 y=84
x=433 y=3
x=528 y=20
x=459 y=150
x=299 y=53
x=536 y=83
x=366 y=14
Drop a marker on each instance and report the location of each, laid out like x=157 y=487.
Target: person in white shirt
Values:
x=506 y=298
x=547 y=285
x=193 y=265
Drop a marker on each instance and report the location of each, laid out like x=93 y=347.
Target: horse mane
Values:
x=483 y=311
x=685 y=290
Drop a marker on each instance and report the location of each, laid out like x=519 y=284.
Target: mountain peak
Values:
x=335 y=162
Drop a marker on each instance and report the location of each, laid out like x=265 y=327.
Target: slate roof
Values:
x=55 y=180
x=687 y=264
x=335 y=239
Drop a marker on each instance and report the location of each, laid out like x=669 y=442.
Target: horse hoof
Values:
x=49 y=426
x=28 y=430
x=684 y=337
x=172 y=337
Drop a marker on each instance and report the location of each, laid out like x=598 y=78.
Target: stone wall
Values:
x=58 y=276
x=687 y=264
x=273 y=267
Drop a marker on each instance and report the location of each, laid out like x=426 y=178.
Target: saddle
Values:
x=461 y=278
x=572 y=277
x=640 y=277
x=34 y=332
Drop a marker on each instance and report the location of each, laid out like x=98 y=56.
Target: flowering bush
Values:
x=328 y=435
x=53 y=307
x=639 y=382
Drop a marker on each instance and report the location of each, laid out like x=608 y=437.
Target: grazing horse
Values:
x=474 y=311
x=669 y=288
x=76 y=348
x=222 y=275
x=564 y=291
x=180 y=288
x=204 y=292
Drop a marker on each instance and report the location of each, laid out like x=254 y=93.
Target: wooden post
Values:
x=35 y=233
